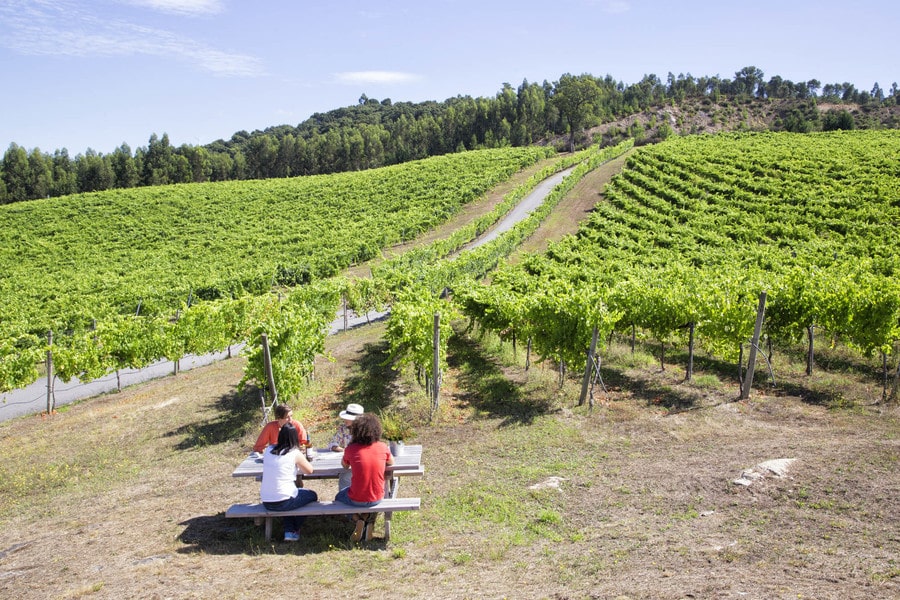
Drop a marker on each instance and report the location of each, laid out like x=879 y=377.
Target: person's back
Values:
x=366 y=457
x=367 y=463
x=279 y=475
x=278 y=492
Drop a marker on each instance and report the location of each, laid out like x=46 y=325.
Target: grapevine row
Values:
x=222 y=300
x=692 y=232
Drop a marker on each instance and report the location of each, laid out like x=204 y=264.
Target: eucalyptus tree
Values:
x=124 y=167
x=16 y=173
x=577 y=98
x=65 y=180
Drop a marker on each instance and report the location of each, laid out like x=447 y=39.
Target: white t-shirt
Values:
x=279 y=475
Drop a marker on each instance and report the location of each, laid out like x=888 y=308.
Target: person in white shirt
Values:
x=279 y=491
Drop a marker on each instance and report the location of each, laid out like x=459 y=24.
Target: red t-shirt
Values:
x=367 y=465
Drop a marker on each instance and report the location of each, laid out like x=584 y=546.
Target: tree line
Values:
x=376 y=133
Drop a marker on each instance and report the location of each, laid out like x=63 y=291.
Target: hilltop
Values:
x=707 y=117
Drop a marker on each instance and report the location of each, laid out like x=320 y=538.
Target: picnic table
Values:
x=327 y=465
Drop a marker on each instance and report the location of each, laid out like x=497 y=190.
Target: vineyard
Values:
x=641 y=497
x=694 y=229
x=686 y=239
x=130 y=276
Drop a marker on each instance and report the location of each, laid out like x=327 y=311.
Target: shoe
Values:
x=291 y=536
x=358 y=532
x=370 y=527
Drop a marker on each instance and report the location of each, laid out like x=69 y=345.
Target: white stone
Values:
x=550 y=482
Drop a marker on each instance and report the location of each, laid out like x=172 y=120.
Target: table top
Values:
x=328 y=464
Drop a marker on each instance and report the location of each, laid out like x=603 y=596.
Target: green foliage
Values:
x=835 y=120
x=131 y=276
x=410 y=330
x=374 y=134
x=417 y=285
x=396 y=427
x=18 y=361
x=695 y=228
x=295 y=329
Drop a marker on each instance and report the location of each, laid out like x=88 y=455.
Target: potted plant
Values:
x=396 y=430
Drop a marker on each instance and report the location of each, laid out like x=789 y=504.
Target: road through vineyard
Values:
x=33 y=398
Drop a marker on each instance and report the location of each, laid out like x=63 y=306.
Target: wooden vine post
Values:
x=754 y=347
x=810 y=334
x=344 y=303
x=50 y=403
x=589 y=367
x=267 y=364
x=436 y=366
x=689 y=374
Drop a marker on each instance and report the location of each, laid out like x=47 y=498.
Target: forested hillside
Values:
x=375 y=133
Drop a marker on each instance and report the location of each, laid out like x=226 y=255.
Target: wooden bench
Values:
x=324 y=507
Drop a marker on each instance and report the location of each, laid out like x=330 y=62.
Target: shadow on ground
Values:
x=491 y=391
x=818 y=390
x=653 y=392
x=214 y=534
x=237 y=411
x=372 y=379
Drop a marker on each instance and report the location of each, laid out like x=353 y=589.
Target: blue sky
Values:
x=81 y=74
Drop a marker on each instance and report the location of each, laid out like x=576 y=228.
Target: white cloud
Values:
x=61 y=28
x=375 y=77
x=613 y=7
x=616 y=7
x=181 y=7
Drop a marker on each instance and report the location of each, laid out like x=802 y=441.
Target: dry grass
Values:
x=123 y=496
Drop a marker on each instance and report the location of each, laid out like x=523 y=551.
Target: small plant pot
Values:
x=396 y=447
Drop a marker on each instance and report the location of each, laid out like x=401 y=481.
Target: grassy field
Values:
x=526 y=495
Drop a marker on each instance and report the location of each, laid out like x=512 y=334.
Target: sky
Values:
x=94 y=74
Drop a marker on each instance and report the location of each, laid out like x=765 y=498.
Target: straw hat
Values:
x=352 y=411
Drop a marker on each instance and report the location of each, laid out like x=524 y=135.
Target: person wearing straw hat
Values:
x=342 y=438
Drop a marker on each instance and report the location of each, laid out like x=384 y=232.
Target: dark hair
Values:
x=365 y=429
x=282 y=411
x=287 y=439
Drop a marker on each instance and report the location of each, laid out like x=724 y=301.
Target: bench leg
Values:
x=268 y=529
x=387 y=526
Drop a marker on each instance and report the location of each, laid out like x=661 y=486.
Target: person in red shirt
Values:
x=269 y=434
x=366 y=457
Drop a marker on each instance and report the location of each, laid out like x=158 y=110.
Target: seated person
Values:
x=278 y=491
x=269 y=433
x=366 y=457
x=342 y=437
